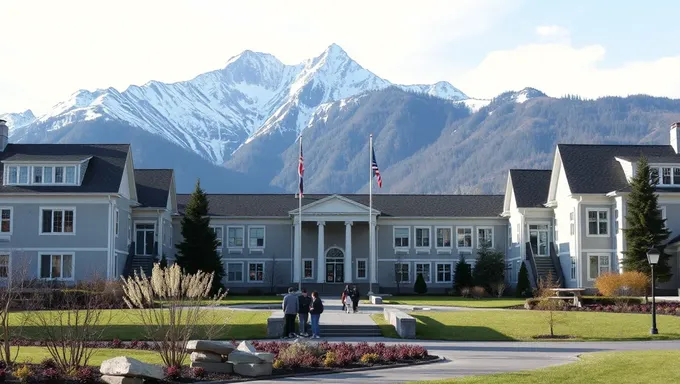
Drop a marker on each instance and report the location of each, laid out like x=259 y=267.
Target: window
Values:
x=218 y=235
x=664 y=176
x=571 y=223
x=145 y=237
x=129 y=229
x=443 y=237
x=424 y=269
x=485 y=236
x=57 y=266
x=58 y=221
x=235 y=237
x=423 y=237
x=573 y=267
x=256 y=272
x=37 y=175
x=401 y=237
x=234 y=271
x=308 y=268
x=597 y=265
x=115 y=223
x=41 y=174
x=12 y=179
x=256 y=237
x=598 y=222
x=23 y=175
x=464 y=237
x=444 y=273
x=509 y=236
x=663 y=215
x=361 y=268
x=538 y=238
x=401 y=272
x=4 y=266
x=5 y=220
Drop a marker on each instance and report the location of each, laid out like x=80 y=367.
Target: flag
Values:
x=301 y=169
x=374 y=166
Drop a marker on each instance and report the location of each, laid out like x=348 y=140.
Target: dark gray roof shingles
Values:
x=279 y=205
x=594 y=169
x=530 y=186
x=104 y=171
x=153 y=187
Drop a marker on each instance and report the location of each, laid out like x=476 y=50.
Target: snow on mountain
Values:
x=18 y=120
x=216 y=113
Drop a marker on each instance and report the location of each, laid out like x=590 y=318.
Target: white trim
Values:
x=365 y=269
x=130 y=232
x=598 y=210
x=422 y=248
x=436 y=271
x=54 y=165
x=424 y=261
x=264 y=268
x=57 y=249
x=264 y=237
x=226 y=263
x=595 y=250
x=120 y=252
x=155 y=228
x=220 y=246
x=63 y=217
x=62 y=254
x=394 y=237
x=598 y=254
x=116 y=223
x=472 y=239
x=492 y=236
x=11 y=220
x=303 y=269
x=443 y=247
x=429 y=272
x=243 y=238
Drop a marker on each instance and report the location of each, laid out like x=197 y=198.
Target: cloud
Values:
x=552 y=32
x=559 y=68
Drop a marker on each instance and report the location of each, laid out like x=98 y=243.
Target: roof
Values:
x=530 y=186
x=279 y=205
x=104 y=171
x=46 y=157
x=674 y=159
x=153 y=187
x=594 y=168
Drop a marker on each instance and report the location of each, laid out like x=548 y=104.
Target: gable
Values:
x=509 y=197
x=128 y=187
x=334 y=204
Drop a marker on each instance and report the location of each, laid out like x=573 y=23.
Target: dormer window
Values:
x=665 y=175
x=41 y=174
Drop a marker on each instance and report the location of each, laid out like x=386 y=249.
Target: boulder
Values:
x=122 y=380
x=246 y=346
x=213 y=367
x=265 y=356
x=206 y=356
x=126 y=366
x=243 y=357
x=217 y=347
x=253 y=370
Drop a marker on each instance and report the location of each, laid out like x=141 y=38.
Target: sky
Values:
x=50 y=49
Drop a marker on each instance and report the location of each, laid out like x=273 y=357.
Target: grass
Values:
x=524 y=325
x=125 y=324
x=616 y=367
x=245 y=300
x=386 y=328
x=35 y=355
x=453 y=301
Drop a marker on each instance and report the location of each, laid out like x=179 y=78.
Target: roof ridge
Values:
x=349 y=194
x=612 y=145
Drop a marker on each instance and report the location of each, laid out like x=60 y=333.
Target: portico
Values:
x=339 y=257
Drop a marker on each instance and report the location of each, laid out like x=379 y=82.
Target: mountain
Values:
x=18 y=120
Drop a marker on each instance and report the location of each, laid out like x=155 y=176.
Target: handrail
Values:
x=127 y=269
x=532 y=265
x=561 y=279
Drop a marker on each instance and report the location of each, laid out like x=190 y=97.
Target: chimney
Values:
x=675 y=137
x=4 y=135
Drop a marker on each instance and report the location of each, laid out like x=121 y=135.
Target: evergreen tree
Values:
x=645 y=226
x=420 y=287
x=164 y=262
x=198 y=249
x=489 y=268
x=523 y=284
x=463 y=275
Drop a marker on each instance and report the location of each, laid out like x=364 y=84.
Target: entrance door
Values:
x=335 y=267
x=538 y=237
x=144 y=235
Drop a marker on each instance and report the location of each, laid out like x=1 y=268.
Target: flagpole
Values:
x=300 y=224
x=370 y=213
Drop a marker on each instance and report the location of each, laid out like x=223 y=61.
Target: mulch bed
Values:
x=555 y=337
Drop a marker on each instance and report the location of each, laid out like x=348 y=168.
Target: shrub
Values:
x=51 y=375
x=489 y=268
x=465 y=291
x=198 y=372
x=370 y=358
x=420 y=286
x=330 y=360
x=523 y=284
x=478 y=292
x=278 y=364
x=173 y=373
x=623 y=284
x=498 y=289
x=462 y=278
x=48 y=363
x=23 y=373
x=85 y=375
x=3 y=375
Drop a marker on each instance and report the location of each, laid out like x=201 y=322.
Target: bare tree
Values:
x=13 y=295
x=547 y=303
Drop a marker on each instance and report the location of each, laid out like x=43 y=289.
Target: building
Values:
x=70 y=212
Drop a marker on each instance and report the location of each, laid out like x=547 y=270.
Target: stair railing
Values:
x=558 y=266
x=533 y=272
x=127 y=269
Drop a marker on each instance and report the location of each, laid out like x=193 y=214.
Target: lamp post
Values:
x=653 y=259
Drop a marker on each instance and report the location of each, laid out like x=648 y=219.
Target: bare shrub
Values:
x=169 y=304
x=552 y=307
x=465 y=291
x=478 y=292
x=13 y=296
x=498 y=289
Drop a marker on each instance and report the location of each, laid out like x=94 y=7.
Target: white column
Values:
x=320 y=260
x=297 y=259
x=349 y=270
x=374 y=256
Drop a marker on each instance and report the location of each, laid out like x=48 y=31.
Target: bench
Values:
x=375 y=299
x=403 y=323
x=275 y=324
x=575 y=292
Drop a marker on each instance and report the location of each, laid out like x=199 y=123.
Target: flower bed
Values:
x=609 y=305
x=290 y=359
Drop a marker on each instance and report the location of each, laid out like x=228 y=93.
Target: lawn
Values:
x=616 y=367
x=386 y=328
x=524 y=325
x=453 y=301
x=125 y=324
x=241 y=300
x=35 y=355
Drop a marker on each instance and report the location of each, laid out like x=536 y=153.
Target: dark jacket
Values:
x=305 y=302
x=317 y=307
x=355 y=295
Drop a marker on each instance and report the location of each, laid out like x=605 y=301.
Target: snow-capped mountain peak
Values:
x=18 y=120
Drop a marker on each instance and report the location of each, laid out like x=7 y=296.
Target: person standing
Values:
x=290 y=306
x=343 y=297
x=316 y=311
x=303 y=312
x=355 y=298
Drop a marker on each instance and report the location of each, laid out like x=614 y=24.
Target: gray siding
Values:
x=86 y=265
